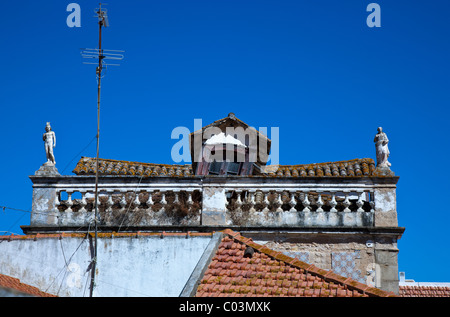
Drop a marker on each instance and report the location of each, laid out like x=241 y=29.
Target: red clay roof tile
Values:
x=271 y=273
x=364 y=167
x=14 y=283
x=424 y=291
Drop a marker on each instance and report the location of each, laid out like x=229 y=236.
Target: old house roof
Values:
x=14 y=284
x=241 y=267
x=364 y=167
x=352 y=168
x=86 y=166
x=424 y=291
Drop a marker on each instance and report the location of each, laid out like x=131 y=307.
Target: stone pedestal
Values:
x=383 y=171
x=47 y=169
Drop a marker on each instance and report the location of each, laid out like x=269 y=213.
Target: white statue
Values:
x=382 y=151
x=49 y=142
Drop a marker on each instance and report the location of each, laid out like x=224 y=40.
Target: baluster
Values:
x=149 y=201
x=109 y=203
x=69 y=202
x=123 y=201
x=176 y=202
x=360 y=202
x=238 y=200
x=333 y=203
x=266 y=201
x=98 y=201
x=292 y=202
x=57 y=202
x=163 y=202
x=83 y=202
x=306 y=203
x=251 y=201
x=319 y=203
x=346 y=203
x=189 y=201
x=279 y=201
x=136 y=202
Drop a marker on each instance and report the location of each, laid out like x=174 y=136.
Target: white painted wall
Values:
x=127 y=266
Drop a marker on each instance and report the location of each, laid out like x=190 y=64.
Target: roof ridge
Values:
x=132 y=162
x=365 y=159
x=111 y=234
x=327 y=275
x=359 y=167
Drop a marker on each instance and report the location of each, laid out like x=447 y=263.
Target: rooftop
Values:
x=241 y=267
x=14 y=284
x=352 y=168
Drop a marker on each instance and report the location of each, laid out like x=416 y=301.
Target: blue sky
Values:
x=312 y=68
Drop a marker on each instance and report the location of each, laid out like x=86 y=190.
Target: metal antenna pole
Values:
x=101 y=55
x=99 y=78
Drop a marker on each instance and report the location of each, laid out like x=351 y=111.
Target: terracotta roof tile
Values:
x=14 y=283
x=424 y=291
x=270 y=273
x=101 y=235
x=86 y=166
x=352 y=168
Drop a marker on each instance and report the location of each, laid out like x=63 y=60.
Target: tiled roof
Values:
x=354 y=168
x=269 y=273
x=86 y=166
x=14 y=283
x=424 y=291
x=101 y=235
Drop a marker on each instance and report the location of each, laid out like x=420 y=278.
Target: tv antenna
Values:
x=102 y=56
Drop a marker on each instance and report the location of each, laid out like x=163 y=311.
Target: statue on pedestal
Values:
x=49 y=138
x=48 y=168
x=382 y=151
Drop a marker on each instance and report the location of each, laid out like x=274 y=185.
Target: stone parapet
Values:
x=67 y=201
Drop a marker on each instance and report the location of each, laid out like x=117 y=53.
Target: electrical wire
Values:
x=78 y=154
x=131 y=201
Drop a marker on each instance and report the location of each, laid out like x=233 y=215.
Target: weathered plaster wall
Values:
x=385 y=207
x=372 y=260
x=127 y=266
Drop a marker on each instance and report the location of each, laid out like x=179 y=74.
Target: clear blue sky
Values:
x=312 y=68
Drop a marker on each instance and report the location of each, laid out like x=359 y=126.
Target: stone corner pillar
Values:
x=44 y=204
x=213 y=206
x=385 y=207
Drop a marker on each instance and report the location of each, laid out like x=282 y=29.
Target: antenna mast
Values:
x=102 y=55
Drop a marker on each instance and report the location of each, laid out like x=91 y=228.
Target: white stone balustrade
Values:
x=68 y=201
x=303 y=206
